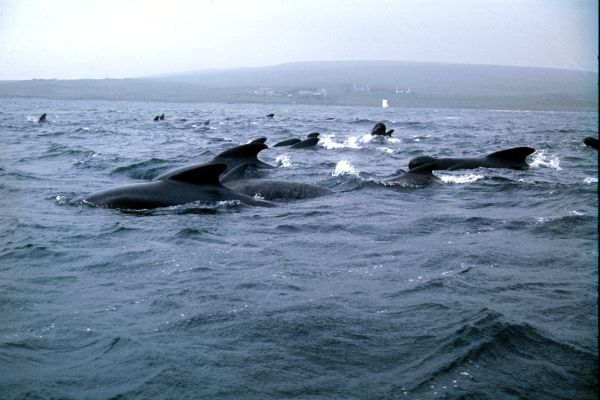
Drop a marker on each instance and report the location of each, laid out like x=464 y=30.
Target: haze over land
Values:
x=525 y=54
x=406 y=84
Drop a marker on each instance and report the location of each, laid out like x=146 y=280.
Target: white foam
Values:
x=460 y=178
x=350 y=142
x=283 y=160
x=344 y=167
x=589 y=180
x=540 y=159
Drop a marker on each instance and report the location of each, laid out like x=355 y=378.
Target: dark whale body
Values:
x=418 y=176
x=311 y=141
x=588 y=141
x=244 y=154
x=271 y=189
x=287 y=142
x=197 y=184
x=511 y=158
x=379 y=129
x=42 y=118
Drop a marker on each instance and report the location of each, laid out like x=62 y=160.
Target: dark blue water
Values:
x=482 y=287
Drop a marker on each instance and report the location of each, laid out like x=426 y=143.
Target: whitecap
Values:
x=283 y=160
x=460 y=178
x=589 y=180
x=329 y=143
x=541 y=159
x=344 y=167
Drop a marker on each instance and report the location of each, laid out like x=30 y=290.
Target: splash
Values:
x=283 y=161
x=344 y=167
x=589 y=180
x=540 y=159
x=460 y=178
x=351 y=142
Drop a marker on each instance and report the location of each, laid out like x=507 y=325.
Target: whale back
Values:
x=591 y=142
x=419 y=161
x=311 y=141
x=287 y=142
x=516 y=154
x=418 y=176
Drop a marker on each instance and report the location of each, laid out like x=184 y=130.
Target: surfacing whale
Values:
x=42 y=118
x=271 y=189
x=588 y=141
x=287 y=142
x=418 y=176
x=259 y=140
x=244 y=154
x=511 y=158
x=379 y=129
x=311 y=141
x=298 y=143
x=194 y=184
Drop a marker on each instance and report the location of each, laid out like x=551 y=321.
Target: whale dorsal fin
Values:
x=201 y=175
x=235 y=174
x=514 y=154
x=247 y=152
x=259 y=140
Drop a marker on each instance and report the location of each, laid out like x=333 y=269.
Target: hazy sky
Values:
x=121 y=38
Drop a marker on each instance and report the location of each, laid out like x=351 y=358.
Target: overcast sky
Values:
x=122 y=38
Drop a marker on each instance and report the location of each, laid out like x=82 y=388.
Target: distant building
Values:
x=313 y=92
x=402 y=91
x=264 y=92
x=360 y=88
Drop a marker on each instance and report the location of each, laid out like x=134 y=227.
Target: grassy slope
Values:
x=431 y=84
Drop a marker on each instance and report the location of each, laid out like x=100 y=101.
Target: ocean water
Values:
x=483 y=286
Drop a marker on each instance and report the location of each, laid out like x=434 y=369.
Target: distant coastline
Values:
x=352 y=83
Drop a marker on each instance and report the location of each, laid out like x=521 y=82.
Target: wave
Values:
x=460 y=179
x=522 y=358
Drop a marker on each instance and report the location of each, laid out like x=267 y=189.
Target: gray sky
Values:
x=127 y=38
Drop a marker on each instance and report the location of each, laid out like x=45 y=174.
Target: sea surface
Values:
x=483 y=286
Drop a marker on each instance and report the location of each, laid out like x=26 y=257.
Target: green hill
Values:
x=406 y=84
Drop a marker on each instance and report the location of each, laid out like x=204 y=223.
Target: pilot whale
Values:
x=418 y=176
x=193 y=184
x=311 y=140
x=511 y=158
x=244 y=154
x=271 y=189
x=379 y=129
x=591 y=142
x=287 y=142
